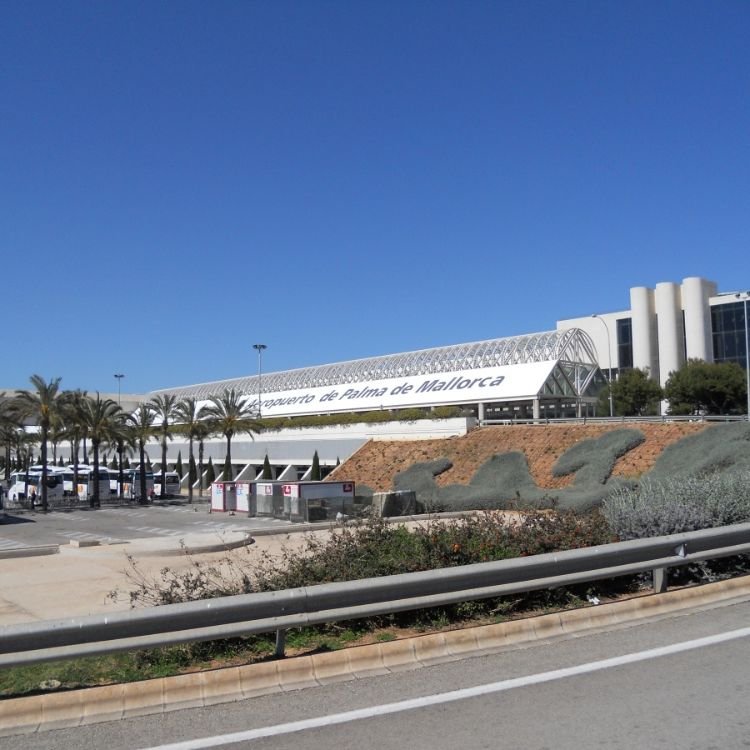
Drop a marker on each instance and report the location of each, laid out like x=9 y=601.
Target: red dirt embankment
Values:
x=377 y=462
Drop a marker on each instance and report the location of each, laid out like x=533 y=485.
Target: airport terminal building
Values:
x=535 y=376
x=550 y=374
x=531 y=377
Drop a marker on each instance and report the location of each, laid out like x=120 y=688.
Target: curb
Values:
x=158 y=550
x=47 y=549
x=74 y=708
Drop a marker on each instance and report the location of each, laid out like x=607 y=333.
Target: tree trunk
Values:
x=121 y=475
x=143 y=500
x=191 y=463
x=95 y=501
x=228 y=459
x=200 y=468
x=163 y=488
x=44 y=470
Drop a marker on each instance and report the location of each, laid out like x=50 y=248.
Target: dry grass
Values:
x=378 y=461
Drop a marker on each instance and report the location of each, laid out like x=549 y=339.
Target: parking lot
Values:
x=117 y=523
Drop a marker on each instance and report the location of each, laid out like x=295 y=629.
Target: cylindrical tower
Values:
x=643 y=323
x=695 y=295
x=670 y=329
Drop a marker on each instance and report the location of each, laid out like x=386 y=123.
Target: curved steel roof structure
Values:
x=573 y=349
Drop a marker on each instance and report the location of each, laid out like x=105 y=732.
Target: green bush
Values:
x=376 y=548
x=368 y=417
x=674 y=505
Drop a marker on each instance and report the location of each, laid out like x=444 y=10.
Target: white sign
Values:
x=507 y=383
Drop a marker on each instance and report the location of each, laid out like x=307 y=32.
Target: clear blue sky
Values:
x=342 y=179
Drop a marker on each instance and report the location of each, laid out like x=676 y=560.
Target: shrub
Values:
x=675 y=505
x=376 y=548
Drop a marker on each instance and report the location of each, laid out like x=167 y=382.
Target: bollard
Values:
x=660 y=580
x=280 y=643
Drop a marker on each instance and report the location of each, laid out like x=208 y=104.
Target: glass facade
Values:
x=624 y=344
x=728 y=333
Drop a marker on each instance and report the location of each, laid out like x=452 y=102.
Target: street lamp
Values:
x=747 y=353
x=119 y=377
x=609 y=362
x=260 y=348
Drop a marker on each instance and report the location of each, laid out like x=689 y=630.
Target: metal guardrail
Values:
x=613 y=420
x=278 y=610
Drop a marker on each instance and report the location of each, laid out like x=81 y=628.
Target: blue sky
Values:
x=343 y=179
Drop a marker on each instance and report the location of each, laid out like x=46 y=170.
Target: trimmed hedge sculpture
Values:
x=504 y=480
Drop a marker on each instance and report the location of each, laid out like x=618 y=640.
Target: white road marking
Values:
x=85 y=535
x=453 y=695
x=12 y=544
x=157 y=530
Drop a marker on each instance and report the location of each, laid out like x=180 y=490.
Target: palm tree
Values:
x=120 y=439
x=164 y=409
x=22 y=442
x=41 y=403
x=10 y=421
x=230 y=414
x=75 y=429
x=201 y=431
x=141 y=426
x=189 y=416
x=100 y=418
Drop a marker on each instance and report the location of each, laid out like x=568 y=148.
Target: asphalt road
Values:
x=122 y=523
x=617 y=692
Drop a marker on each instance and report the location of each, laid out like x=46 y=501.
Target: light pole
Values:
x=119 y=377
x=260 y=348
x=747 y=353
x=609 y=362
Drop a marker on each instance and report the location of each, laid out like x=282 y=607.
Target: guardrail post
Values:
x=660 y=580
x=280 y=643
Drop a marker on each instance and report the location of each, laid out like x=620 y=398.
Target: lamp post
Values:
x=609 y=362
x=259 y=348
x=747 y=352
x=119 y=377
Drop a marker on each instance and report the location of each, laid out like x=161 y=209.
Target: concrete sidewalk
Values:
x=78 y=580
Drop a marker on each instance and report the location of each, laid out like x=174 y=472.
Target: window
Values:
x=728 y=333
x=625 y=344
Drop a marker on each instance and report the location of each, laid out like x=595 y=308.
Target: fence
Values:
x=613 y=420
x=278 y=610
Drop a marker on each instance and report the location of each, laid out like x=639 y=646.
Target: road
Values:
x=113 y=523
x=696 y=696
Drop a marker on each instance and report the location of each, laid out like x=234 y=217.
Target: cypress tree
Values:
x=315 y=470
x=178 y=468
x=267 y=473
x=210 y=473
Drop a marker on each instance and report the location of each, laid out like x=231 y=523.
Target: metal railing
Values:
x=613 y=420
x=275 y=611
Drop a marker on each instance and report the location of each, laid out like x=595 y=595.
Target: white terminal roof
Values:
x=570 y=354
